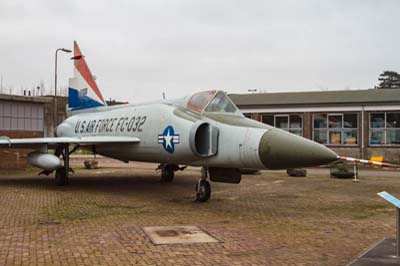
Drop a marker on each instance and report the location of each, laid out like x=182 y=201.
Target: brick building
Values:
x=356 y=123
x=26 y=117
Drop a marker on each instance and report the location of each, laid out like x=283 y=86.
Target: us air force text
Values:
x=110 y=125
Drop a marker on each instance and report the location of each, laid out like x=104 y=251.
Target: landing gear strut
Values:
x=62 y=174
x=61 y=177
x=203 y=187
x=167 y=174
x=168 y=171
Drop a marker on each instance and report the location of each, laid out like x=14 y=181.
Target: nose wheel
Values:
x=203 y=191
x=203 y=187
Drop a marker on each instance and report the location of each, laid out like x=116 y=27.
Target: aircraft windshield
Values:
x=208 y=101
x=222 y=104
x=199 y=100
x=211 y=101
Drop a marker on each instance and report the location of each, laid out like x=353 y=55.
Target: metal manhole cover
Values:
x=162 y=235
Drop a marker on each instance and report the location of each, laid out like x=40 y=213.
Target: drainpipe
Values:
x=362 y=132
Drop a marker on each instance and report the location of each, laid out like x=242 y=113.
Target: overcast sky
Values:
x=138 y=49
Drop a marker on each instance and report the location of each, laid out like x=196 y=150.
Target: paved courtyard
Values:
x=268 y=219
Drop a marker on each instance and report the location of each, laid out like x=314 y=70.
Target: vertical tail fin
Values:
x=83 y=92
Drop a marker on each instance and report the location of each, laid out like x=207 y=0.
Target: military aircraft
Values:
x=205 y=129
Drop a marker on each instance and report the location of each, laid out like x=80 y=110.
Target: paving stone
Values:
x=268 y=219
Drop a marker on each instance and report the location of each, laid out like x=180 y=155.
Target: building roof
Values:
x=19 y=98
x=370 y=96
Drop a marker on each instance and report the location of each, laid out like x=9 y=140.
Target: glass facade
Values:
x=384 y=128
x=342 y=128
x=292 y=123
x=336 y=128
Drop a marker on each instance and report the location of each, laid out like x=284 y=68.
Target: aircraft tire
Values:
x=61 y=178
x=203 y=192
x=167 y=174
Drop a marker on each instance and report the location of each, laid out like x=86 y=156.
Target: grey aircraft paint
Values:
x=242 y=143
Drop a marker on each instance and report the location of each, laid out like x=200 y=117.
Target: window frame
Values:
x=342 y=129
x=23 y=118
x=296 y=128
x=287 y=115
x=384 y=129
x=288 y=121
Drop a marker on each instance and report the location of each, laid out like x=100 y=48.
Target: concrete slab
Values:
x=162 y=235
x=381 y=254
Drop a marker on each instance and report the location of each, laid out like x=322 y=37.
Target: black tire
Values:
x=61 y=177
x=167 y=174
x=204 y=192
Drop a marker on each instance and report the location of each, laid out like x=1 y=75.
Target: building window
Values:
x=292 y=123
x=335 y=129
x=21 y=116
x=384 y=128
x=268 y=119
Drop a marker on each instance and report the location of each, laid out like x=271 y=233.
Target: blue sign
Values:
x=390 y=198
x=168 y=139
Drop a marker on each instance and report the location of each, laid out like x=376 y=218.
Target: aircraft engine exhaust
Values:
x=44 y=160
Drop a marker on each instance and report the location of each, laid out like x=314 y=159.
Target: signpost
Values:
x=355 y=173
x=396 y=202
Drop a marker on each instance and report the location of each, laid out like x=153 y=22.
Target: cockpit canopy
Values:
x=209 y=101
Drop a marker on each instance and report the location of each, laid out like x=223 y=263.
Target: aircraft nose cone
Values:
x=281 y=150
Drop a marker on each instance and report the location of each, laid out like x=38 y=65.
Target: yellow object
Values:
x=335 y=138
x=377 y=159
x=350 y=140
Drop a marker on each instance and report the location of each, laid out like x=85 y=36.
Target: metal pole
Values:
x=398 y=232
x=355 y=170
x=55 y=90
x=55 y=83
x=362 y=132
x=66 y=162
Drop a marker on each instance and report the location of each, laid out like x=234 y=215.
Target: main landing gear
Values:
x=203 y=187
x=168 y=171
x=62 y=173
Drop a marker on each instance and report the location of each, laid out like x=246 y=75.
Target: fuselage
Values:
x=166 y=136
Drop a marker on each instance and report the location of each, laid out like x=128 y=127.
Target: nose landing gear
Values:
x=203 y=187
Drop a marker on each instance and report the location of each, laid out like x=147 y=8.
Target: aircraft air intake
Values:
x=203 y=139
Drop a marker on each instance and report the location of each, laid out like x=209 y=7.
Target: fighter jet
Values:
x=205 y=130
